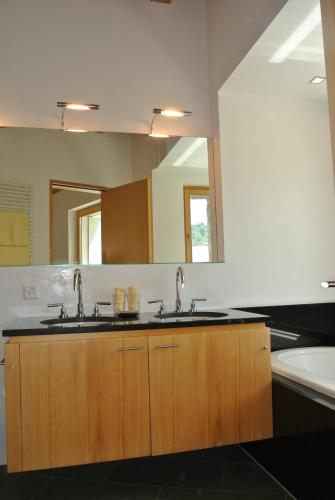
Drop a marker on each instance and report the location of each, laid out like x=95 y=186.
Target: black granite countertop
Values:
x=146 y=321
x=308 y=319
x=311 y=324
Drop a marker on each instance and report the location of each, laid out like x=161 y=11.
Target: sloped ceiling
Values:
x=257 y=74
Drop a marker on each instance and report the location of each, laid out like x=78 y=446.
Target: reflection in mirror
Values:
x=109 y=198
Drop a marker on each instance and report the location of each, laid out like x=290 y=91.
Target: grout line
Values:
x=287 y=492
x=41 y=488
x=159 y=492
x=222 y=476
x=107 y=476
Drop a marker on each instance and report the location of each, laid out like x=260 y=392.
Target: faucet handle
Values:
x=193 y=301
x=63 y=313
x=161 y=306
x=96 y=310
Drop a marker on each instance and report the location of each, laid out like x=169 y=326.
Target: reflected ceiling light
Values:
x=172 y=113
x=317 y=80
x=158 y=135
x=293 y=41
x=79 y=130
x=77 y=106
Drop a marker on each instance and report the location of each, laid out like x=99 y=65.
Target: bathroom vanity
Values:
x=132 y=389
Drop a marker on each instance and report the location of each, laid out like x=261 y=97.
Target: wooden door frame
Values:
x=188 y=192
x=66 y=184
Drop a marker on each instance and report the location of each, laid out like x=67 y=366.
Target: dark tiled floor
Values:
x=226 y=473
x=304 y=463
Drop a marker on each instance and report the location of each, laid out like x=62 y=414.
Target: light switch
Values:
x=31 y=292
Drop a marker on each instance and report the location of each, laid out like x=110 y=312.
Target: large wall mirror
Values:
x=105 y=198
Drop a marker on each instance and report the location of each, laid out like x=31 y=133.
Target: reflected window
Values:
x=197 y=224
x=89 y=235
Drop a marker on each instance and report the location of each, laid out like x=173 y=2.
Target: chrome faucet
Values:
x=77 y=284
x=180 y=283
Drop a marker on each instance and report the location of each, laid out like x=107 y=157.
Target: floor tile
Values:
x=249 y=478
x=169 y=493
x=169 y=472
x=98 y=471
x=220 y=454
x=78 y=489
x=20 y=486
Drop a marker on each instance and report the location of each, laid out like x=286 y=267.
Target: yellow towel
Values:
x=20 y=229
x=14 y=229
x=14 y=256
x=5 y=228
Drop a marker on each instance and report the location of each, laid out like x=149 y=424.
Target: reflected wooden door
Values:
x=126 y=223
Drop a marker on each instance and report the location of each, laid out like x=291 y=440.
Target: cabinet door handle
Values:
x=3 y=363
x=132 y=348
x=165 y=346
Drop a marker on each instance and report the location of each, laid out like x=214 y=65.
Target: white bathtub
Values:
x=313 y=367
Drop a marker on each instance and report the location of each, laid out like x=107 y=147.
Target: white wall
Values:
x=279 y=198
x=147 y=153
x=168 y=210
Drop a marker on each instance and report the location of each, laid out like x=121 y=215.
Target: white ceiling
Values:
x=187 y=152
x=290 y=78
x=129 y=56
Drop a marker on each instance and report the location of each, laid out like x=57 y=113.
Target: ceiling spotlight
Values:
x=77 y=106
x=317 y=79
x=172 y=113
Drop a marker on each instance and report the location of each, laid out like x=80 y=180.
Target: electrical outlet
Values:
x=31 y=292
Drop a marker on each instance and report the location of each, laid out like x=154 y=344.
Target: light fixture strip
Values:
x=77 y=106
x=171 y=112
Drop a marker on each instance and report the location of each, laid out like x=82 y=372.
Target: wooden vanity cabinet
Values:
x=209 y=389
x=83 y=401
x=84 y=398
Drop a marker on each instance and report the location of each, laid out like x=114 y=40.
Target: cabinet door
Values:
x=209 y=389
x=177 y=387
x=84 y=401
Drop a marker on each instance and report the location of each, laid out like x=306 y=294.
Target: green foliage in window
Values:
x=199 y=234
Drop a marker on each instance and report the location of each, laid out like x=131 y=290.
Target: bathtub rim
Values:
x=323 y=385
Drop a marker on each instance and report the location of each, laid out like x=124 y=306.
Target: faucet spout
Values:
x=77 y=284
x=180 y=283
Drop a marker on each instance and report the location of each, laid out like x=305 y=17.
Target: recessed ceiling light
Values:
x=294 y=40
x=78 y=130
x=78 y=106
x=317 y=79
x=171 y=112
